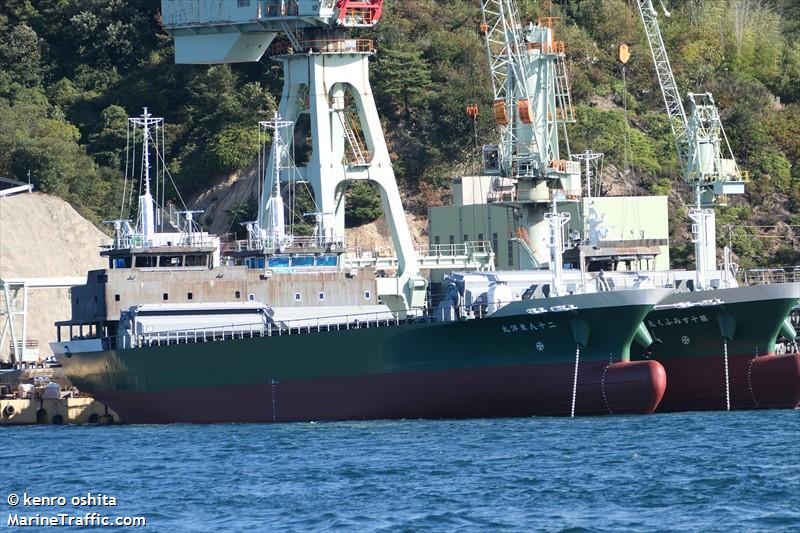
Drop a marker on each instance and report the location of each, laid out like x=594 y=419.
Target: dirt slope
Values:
x=43 y=236
x=237 y=189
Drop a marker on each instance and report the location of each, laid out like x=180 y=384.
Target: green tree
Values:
x=108 y=145
x=20 y=57
x=405 y=79
x=233 y=148
x=363 y=204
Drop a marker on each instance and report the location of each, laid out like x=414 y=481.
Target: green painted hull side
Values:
x=428 y=347
x=698 y=331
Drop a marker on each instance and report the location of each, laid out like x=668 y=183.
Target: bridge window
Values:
x=146 y=261
x=303 y=261
x=238 y=295
x=165 y=296
x=195 y=261
x=510 y=253
x=436 y=239
x=328 y=260
x=189 y=296
x=116 y=297
x=466 y=238
x=170 y=261
x=452 y=239
x=242 y=3
x=367 y=295
x=254 y=262
x=321 y=296
x=251 y=297
x=278 y=262
x=297 y=297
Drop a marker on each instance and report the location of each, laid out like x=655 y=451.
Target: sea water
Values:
x=714 y=471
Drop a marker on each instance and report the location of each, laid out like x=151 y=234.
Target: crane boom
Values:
x=506 y=50
x=666 y=79
x=503 y=44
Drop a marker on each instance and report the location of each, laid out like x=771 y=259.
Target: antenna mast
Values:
x=146 y=204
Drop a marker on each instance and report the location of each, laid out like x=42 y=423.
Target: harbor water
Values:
x=713 y=471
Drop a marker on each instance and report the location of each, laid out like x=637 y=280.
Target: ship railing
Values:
x=25 y=350
x=275 y=329
x=302 y=241
x=462 y=249
x=765 y=276
x=323 y=46
x=476 y=310
x=467 y=248
x=136 y=240
x=501 y=196
x=641 y=278
x=271 y=243
x=196 y=239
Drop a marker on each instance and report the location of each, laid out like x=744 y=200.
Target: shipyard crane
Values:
x=531 y=91
x=703 y=148
x=531 y=100
x=326 y=78
x=509 y=69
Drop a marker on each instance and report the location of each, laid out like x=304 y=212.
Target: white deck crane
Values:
x=531 y=101
x=703 y=149
x=326 y=78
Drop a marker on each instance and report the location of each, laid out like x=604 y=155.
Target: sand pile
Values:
x=43 y=236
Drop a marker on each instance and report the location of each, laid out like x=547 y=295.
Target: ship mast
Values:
x=555 y=223
x=146 y=204
x=271 y=218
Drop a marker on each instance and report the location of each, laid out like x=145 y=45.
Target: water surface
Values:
x=689 y=471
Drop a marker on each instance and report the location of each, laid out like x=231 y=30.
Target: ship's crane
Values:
x=703 y=148
x=326 y=78
x=531 y=100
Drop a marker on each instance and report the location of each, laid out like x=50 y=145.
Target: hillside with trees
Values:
x=71 y=71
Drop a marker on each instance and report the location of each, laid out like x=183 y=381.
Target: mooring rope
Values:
x=575 y=379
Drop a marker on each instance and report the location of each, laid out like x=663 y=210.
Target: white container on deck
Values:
x=51 y=391
x=25 y=390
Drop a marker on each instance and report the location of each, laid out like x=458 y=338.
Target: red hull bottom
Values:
x=631 y=387
x=765 y=382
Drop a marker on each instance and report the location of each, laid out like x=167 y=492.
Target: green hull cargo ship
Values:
x=287 y=328
x=718 y=348
x=570 y=356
